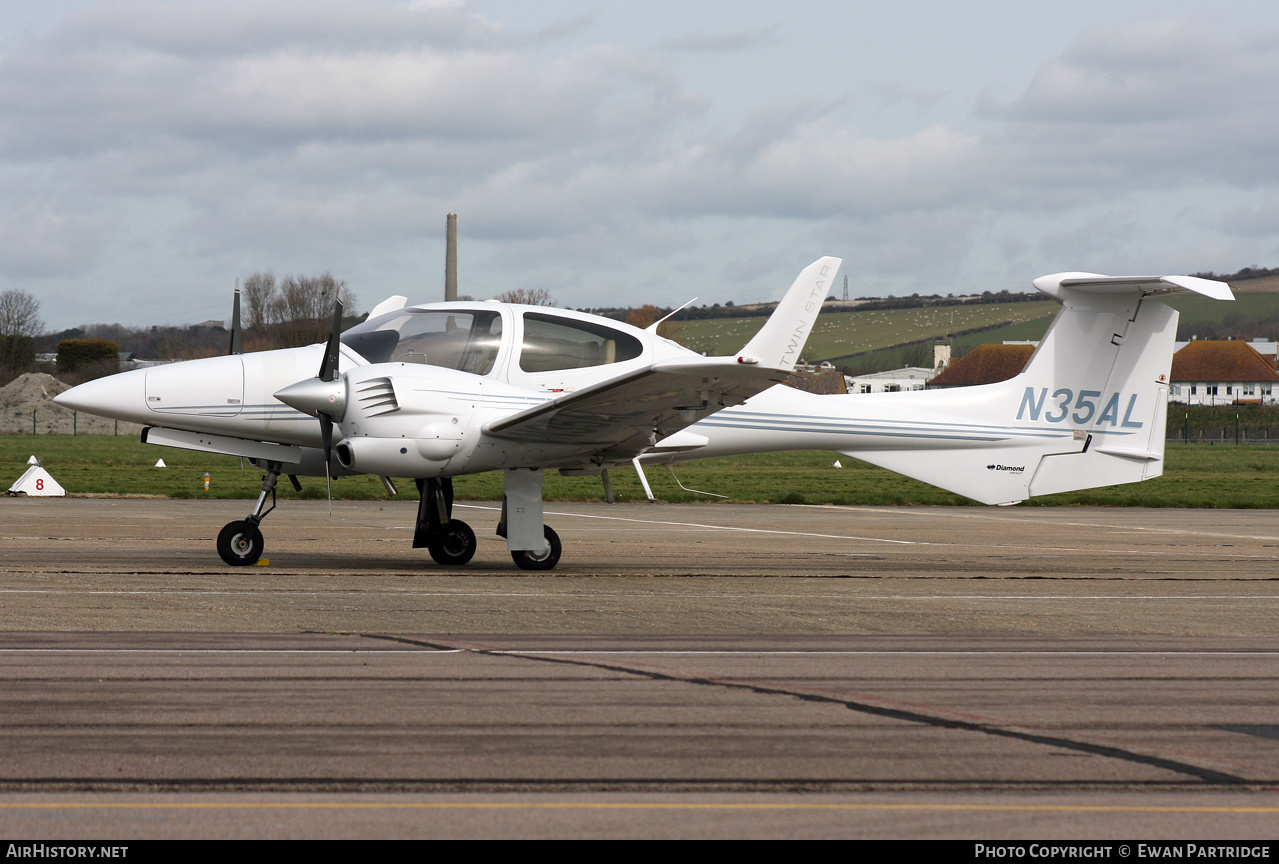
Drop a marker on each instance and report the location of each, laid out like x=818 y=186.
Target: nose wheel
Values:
x=240 y=543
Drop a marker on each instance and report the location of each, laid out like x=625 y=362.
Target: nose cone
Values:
x=120 y=397
x=315 y=396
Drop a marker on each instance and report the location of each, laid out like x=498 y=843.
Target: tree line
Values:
x=290 y=312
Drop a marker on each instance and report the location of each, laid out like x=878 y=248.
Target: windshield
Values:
x=464 y=340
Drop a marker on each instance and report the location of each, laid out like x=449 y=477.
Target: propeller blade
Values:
x=237 y=339
x=326 y=434
x=329 y=366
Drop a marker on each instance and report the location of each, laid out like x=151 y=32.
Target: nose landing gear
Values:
x=240 y=543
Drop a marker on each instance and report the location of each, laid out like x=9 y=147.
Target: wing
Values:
x=621 y=417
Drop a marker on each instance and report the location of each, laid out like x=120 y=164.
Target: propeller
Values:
x=237 y=335
x=329 y=374
x=323 y=396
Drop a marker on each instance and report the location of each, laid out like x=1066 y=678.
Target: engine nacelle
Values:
x=406 y=420
x=396 y=457
x=312 y=465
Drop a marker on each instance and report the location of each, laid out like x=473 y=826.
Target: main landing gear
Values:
x=449 y=540
x=240 y=543
x=533 y=544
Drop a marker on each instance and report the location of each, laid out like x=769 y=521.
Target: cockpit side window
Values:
x=464 y=340
x=552 y=342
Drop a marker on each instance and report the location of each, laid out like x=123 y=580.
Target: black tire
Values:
x=526 y=560
x=453 y=544
x=240 y=543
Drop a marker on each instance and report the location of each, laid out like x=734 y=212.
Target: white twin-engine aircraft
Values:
x=431 y=392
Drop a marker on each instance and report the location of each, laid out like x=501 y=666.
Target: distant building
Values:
x=892 y=381
x=985 y=364
x=1210 y=372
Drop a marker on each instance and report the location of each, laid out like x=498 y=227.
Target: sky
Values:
x=152 y=151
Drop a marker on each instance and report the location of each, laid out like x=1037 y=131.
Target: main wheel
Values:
x=240 y=543
x=454 y=543
x=527 y=560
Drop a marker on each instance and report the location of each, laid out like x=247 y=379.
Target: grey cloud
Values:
x=248 y=135
x=49 y=237
x=893 y=95
x=194 y=28
x=702 y=43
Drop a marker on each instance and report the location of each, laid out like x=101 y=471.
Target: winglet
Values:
x=779 y=343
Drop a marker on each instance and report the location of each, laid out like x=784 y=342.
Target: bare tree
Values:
x=528 y=296
x=20 y=314
x=295 y=312
x=19 y=325
x=258 y=291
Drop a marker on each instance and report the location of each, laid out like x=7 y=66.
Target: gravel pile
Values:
x=29 y=398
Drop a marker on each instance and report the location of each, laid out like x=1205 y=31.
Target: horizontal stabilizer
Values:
x=1095 y=283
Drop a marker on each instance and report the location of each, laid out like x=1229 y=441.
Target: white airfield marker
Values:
x=37 y=481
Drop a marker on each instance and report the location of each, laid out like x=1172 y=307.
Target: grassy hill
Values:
x=840 y=334
x=1253 y=314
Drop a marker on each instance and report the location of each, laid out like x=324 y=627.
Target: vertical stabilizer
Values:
x=1088 y=410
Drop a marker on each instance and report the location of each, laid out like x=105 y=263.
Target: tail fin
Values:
x=778 y=344
x=1088 y=410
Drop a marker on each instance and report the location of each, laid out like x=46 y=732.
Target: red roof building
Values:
x=1209 y=372
x=985 y=364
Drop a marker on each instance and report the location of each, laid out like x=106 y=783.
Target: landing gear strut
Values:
x=240 y=543
x=449 y=540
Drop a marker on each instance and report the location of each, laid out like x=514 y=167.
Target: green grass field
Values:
x=1195 y=476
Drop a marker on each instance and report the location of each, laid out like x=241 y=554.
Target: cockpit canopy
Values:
x=469 y=340
x=463 y=339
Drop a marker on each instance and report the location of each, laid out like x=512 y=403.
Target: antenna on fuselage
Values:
x=450 y=257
